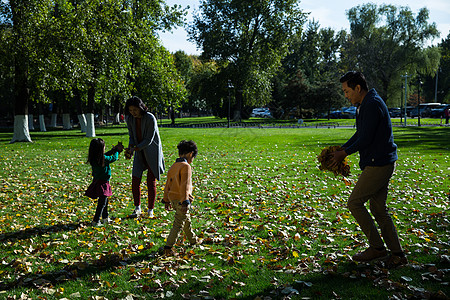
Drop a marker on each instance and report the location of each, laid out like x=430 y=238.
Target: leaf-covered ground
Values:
x=273 y=225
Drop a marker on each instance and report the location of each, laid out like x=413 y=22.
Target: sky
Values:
x=328 y=13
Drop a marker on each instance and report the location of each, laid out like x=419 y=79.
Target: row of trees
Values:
x=77 y=54
x=296 y=65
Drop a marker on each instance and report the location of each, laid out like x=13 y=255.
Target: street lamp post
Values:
x=406 y=91
x=229 y=86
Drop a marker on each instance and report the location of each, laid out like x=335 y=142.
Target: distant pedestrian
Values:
x=178 y=195
x=375 y=142
x=146 y=146
x=100 y=188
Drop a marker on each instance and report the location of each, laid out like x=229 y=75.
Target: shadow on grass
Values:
x=346 y=281
x=431 y=138
x=71 y=271
x=38 y=231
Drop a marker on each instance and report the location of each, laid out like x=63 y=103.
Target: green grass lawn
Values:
x=211 y=120
x=273 y=224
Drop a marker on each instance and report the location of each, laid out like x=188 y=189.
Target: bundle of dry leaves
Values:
x=324 y=158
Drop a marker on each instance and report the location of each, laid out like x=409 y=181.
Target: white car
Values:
x=261 y=113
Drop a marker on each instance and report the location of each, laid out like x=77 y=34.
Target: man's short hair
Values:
x=353 y=78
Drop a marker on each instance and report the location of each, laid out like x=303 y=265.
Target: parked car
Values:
x=395 y=112
x=348 y=112
x=439 y=111
x=425 y=109
x=335 y=114
x=262 y=112
x=408 y=110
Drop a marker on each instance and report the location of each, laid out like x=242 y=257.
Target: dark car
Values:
x=425 y=109
x=348 y=112
x=335 y=114
x=395 y=112
x=438 y=112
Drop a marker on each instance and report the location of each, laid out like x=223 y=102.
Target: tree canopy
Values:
x=387 y=41
x=88 y=54
x=249 y=38
x=89 y=50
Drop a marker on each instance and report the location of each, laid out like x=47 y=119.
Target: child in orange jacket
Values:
x=178 y=194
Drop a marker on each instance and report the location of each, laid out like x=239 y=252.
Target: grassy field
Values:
x=273 y=224
x=211 y=120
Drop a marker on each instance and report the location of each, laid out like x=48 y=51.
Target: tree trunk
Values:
x=116 y=118
x=82 y=120
x=65 y=107
x=21 y=132
x=21 y=93
x=54 y=115
x=90 y=128
x=172 y=115
x=42 y=123
x=41 y=118
x=66 y=121
x=116 y=110
x=21 y=97
x=53 y=121
x=30 y=122
x=238 y=105
x=81 y=115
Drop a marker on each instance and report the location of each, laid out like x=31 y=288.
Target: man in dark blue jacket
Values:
x=375 y=142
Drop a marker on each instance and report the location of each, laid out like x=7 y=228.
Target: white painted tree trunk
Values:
x=21 y=132
x=66 y=121
x=117 y=118
x=30 y=122
x=53 y=120
x=82 y=120
x=90 y=127
x=42 y=123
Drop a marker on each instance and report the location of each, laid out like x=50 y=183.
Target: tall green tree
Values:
x=23 y=17
x=207 y=87
x=154 y=76
x=309 y=71
x=444 y=71
x=387 y=41
x=185 y=66
x=251 y=38
x=6 y=68
x=436 y=87
x=89 y=49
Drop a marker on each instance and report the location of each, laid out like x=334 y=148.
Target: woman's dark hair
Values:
x=135 y=101
x=354 y=78
x=185 y=147
x=96 y=156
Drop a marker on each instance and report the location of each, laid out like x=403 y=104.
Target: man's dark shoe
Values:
x=370 y=254
x=169 y=251
x=396 y=261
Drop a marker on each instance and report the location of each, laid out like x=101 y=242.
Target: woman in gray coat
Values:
x=145 y=144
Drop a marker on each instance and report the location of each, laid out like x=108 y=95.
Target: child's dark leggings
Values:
x=102 y=208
